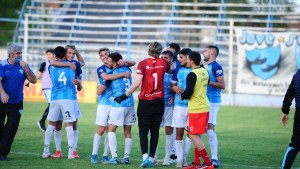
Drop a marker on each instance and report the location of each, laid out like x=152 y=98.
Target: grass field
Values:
x=249 y=138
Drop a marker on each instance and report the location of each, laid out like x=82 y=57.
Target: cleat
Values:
x=75 y=155
x=145 y=163
x=125 y=161
x=179 y=164
x=41 y=126
x=173 y=157
x=215 y=163
x=94 y=159
x=105 y=160
x=46 y=155
x=114 y=161
x=57 y=154
x=204 y=166
x=192 y=166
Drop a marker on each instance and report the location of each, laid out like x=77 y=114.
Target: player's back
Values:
x=119 y=87
x=62 y=86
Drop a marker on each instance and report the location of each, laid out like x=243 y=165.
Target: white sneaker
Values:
x=185 y=163
x=70 y=154
x=46 y=155
x=179 y=164
x=166 y=162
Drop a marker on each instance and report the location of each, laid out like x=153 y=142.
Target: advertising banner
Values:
x=267 y=61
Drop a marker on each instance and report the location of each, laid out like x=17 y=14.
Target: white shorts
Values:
x=213 y=112
x=47 y=94
x=102 y=115
x=77 y=112
x=120 y=116
x=180 y=117
x=62 y=110
x=167 y=117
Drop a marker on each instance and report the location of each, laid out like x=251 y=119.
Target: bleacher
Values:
x=128 y=26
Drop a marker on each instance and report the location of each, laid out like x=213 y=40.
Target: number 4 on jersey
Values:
x=62 y=78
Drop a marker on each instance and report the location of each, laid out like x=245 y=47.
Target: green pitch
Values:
x=249 y=138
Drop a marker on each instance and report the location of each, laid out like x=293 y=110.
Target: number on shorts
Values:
x=67 y=113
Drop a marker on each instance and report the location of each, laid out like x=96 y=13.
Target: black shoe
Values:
x=2 y=158
x=173 y=157
x=41 y=125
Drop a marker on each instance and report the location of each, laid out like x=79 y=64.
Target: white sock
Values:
x=96 y=144
x=106 y=146
x=179 y=150
x=57 y=139
x=168 y=146
x=187 y=146
x=173 y=148
x=48 y=136
x=70 y=137
x=213 y=142
x=128 y=146
x=75 y=139
x=145 y=156
x=156 y=152
x=113 y=144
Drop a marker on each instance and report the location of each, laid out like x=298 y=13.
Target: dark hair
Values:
x=214 y=47
x=103 y=49
x=167 y=52
x=50 y=50
x=185 y=51
x=115 y=57
x=60 y=52
x=175 y=46
x=154 y=49
x=195 y=57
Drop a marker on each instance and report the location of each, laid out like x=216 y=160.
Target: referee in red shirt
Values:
x=150 y=73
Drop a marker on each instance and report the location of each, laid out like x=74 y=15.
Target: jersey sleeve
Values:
x=190 y=85
x=217 y=70
x=42 y=67
x=1 y=71
x=140 y=69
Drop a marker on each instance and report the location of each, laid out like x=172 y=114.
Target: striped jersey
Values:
x=180 y=80
x=167 y=86
x=105 y=97
x=62 y=86
x=119 y=87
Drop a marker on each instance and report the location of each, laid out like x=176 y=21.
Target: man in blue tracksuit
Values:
x=294 y=147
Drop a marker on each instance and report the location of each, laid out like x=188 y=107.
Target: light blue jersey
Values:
x=180 y=79
x=105 y=97
x=119 y=87
x=167 y=93
x=62 y=86
x=214 y=70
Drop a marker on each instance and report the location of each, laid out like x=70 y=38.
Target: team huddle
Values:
x=177 y=93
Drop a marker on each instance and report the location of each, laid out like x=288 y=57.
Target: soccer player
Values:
x=294 y=147
x=150 y=73
x=46 y=85
x=215 y=85
x=169 y=107
x=63 y=100
x=104 y=103
x=121 y=114
x=13 y=72
x=181 y=108
x=198 y=105
x=71 y=51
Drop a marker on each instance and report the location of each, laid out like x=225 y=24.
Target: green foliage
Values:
x=9 y=9
x=249 y=138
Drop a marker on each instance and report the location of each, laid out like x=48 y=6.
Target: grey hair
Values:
x=12 y=48
x=70 y=46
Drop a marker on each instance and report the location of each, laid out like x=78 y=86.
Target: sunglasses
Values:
x=18 y=53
